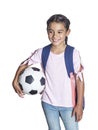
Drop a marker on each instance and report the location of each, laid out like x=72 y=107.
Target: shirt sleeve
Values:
x=78 y=66
x=34 y=58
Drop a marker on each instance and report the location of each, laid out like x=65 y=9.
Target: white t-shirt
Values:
x=60 y=89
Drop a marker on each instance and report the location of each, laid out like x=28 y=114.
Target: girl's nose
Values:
x=55 y=35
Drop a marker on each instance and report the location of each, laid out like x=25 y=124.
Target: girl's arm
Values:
x=78 y=110
x=15 y=82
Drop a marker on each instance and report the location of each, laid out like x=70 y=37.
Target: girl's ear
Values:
x=68 y=32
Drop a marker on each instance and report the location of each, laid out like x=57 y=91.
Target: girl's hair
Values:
x=59 y=18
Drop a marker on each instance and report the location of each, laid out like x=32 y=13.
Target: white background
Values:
x=22 y=30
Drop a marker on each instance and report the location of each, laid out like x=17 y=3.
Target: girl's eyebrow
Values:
x=49 y=29
x=61 y=30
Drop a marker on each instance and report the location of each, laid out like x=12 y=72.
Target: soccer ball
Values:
x=32 y=80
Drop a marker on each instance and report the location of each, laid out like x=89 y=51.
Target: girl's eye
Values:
x=50 y=31
x=59 y=32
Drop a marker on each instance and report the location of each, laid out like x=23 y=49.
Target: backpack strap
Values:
x=68 y=55
x=45 y=55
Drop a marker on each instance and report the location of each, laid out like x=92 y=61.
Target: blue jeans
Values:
x=52 y=114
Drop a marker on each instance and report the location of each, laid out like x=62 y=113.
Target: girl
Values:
x=58 y=98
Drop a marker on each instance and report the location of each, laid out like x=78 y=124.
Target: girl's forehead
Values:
x=56 y=24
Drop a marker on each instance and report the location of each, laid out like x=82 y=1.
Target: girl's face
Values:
x=57 y=33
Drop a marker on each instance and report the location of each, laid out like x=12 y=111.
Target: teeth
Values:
x=55 y=40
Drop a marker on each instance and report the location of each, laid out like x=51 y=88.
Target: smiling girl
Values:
x=59 y=97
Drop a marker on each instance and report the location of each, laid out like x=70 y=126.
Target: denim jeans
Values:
x=53 y=115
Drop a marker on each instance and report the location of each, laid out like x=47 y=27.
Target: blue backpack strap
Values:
x=45 y=54
x=68 y=55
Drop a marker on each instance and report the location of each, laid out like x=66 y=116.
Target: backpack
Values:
x=68 y=56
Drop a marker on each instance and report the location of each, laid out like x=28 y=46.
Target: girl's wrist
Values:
x=79 y=105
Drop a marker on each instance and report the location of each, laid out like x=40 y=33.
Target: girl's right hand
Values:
x=15 y=83
x=18 y=89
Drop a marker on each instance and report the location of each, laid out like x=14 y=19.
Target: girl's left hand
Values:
x=78 y=112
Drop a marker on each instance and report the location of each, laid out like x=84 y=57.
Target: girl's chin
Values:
x=55 y=43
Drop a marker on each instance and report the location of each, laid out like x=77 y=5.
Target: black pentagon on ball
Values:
x=29 y=79
x=42 y=81
x=33 y=92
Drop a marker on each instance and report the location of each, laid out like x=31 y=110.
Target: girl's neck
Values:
x=58 y=49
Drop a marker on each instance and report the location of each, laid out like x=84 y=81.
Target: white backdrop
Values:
x=22 y=30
